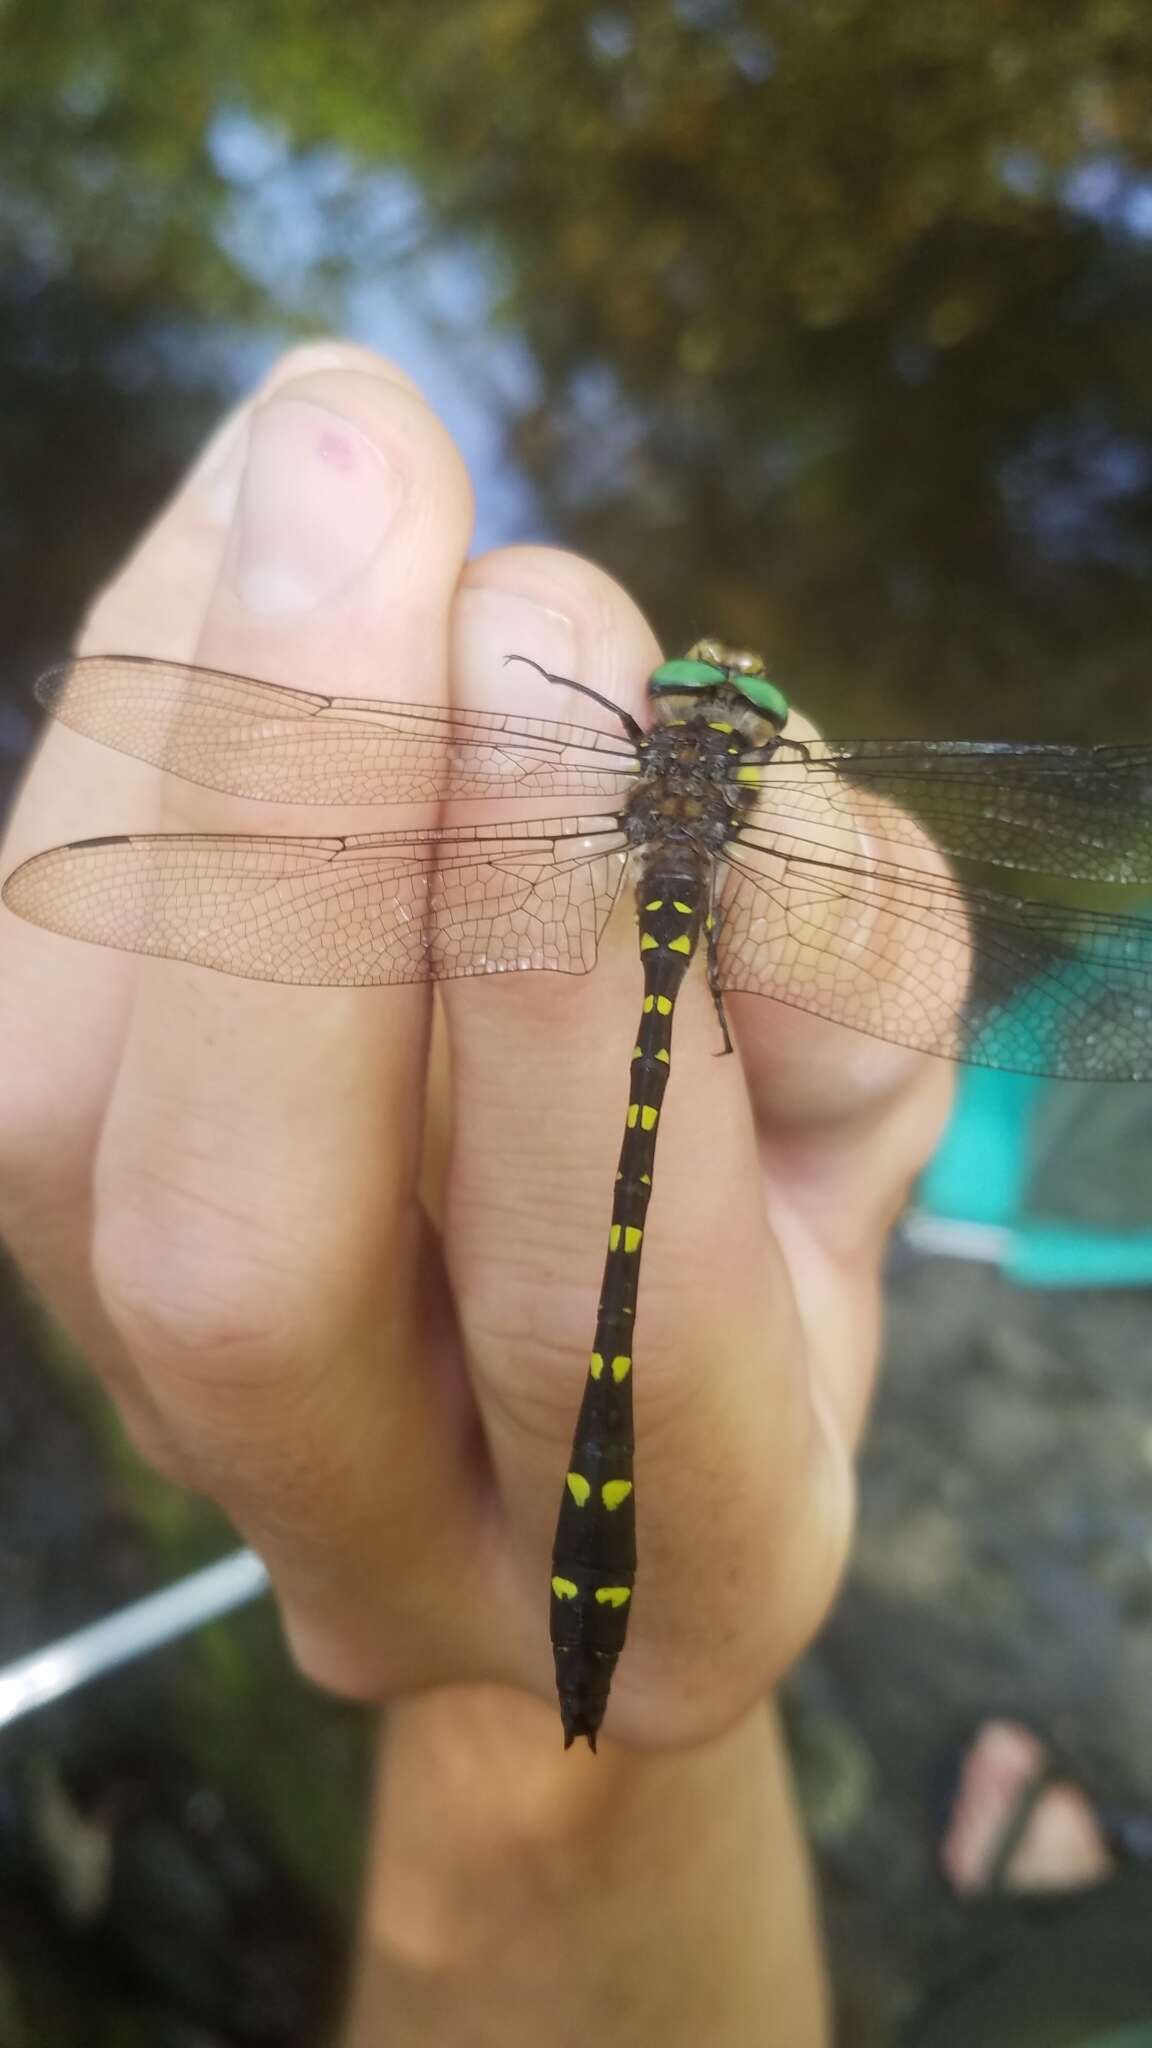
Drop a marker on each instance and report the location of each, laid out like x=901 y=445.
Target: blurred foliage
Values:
x=837 y=312
x=221 y=1797
x=830 y=353
x=229 y=1687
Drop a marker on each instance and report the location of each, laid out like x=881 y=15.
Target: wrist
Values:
x=500 y=1864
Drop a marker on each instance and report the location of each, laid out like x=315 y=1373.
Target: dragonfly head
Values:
x=709 y=665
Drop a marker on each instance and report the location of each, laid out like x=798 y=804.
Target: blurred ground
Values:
x=1004 y=1564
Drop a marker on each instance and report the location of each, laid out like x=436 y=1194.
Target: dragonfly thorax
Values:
x=689 y=794
x=721 y=708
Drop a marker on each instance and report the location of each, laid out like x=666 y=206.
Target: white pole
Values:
x=159 y=1618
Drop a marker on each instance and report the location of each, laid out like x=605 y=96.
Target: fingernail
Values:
x=316 y=501
x=490 y=624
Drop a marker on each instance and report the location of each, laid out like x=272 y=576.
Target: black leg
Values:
x=712 y=930
x=634 y=731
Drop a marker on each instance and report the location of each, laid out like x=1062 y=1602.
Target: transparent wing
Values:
x=351 y=912
x=256 y=739
x=910 y=956
x=1084 y=813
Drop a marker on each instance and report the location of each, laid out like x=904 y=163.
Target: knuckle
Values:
x=199 y=1296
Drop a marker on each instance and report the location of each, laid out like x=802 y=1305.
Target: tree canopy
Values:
x=837 y=314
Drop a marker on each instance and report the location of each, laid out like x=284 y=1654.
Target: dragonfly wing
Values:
x=257 y=739
x=351 y=912
x=907 y=955
x=1082 y=813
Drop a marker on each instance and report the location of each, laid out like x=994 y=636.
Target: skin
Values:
x=338 y=1269
x=1061 y=1847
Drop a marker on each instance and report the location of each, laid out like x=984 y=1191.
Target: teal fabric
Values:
x=1072 y=1226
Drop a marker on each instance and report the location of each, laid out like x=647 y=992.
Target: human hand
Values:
x=216 y=1183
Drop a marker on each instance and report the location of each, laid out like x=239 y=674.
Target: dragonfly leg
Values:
x=634 y=731
x=712 y=933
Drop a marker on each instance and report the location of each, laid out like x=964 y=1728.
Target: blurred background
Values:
x=827 y=328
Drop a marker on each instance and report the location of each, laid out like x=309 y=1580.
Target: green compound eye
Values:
x=686 y=675
x=704 y=675
x=763 y=694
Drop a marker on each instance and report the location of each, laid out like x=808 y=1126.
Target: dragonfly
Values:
x=798 y=868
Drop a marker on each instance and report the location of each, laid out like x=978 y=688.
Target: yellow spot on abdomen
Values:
x=685 y=909
x=683 y=945
x=664 y=1055
x=611 y=1596
x=614 y=1238
x=614 y=1491
x=621 y=1367
x=564 y=1589
x=656 y=904
x=647 y=942
x=596 y=1365
x=579 y=1488
x=632 y=1237
x=648 y=1116
x=637 y=1052
x=633 y=1113
x=648 y=1002
x=664 y=1005
x=717 y=725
